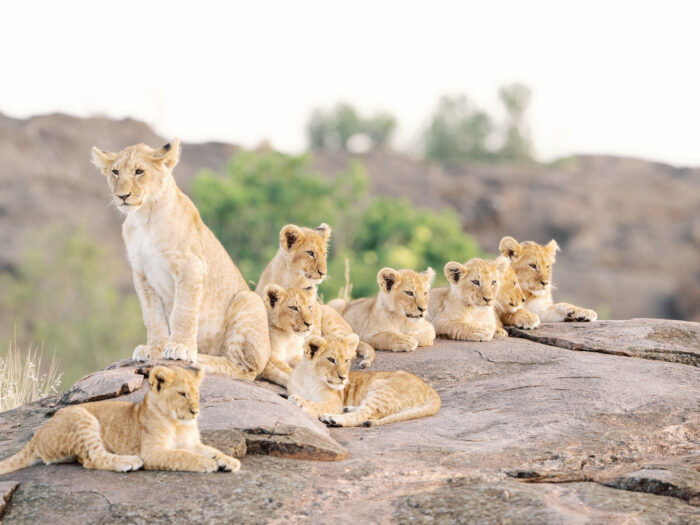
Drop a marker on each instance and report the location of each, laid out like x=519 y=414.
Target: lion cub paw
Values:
x=228 y=464
x=404 y=343
x=479 y=335
x=146 y=352
x=330 y=420
x=526 y=319
x=297 y=400
x=128 y=464
x=203 y=464
x=179 y=351
x=500 y=332
x=581 y=315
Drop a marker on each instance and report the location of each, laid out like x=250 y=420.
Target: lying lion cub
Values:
x=532 y=263
x=509 y=305
x=464 y=311
x=324 y=387
x=193 y=297
x=159 y=433
x=395 y=319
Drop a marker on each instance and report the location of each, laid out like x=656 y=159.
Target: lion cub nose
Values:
x=421 y=309
x=307 y=324
x=544 y=283
x=342 y=378
x=124 y=197
x=487 y=300
x=193 y=411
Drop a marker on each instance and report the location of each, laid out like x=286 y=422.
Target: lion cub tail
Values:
x=23 y=459
x=339 y=305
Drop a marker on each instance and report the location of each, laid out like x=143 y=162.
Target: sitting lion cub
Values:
x=464 y=311
x=324 y=387
x=395 y=319
x=509 y=304
x=532 y=263
x=159 y=433
x=192 y=296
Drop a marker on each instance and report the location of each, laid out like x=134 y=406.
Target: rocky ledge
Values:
x=563 y=424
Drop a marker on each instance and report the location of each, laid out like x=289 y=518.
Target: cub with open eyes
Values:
x=159 y=433
x=323 y=385
x=532 y=263
x=394 y=319
x=464 y=311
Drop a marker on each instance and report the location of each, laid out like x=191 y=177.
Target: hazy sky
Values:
x=618 y=77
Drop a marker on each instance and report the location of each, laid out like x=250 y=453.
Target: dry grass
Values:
x=21 y=380
x=345 y=291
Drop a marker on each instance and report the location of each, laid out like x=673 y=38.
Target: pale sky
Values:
x=618 y=77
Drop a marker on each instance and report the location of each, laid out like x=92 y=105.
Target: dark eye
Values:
x=476 y=282
x=116 y=172
x=347 y=361
x=311 y=254
x=139 y=172
x=549 y=266
x=294 y=308
x=493 y=283
x=410 y=294
x=426 y=294
x=331 y=360
x=514 y=283
x=183 y=394
x=533 y=266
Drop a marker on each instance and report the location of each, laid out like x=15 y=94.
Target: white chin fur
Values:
x=335 y=387
x=189 y=422
x=538 y=293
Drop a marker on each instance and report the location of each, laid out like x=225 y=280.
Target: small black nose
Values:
x=544 y=283
x=523 y=299
x=488 y=300
x=421 y=309
x=193 y=411
x=321 y=273
x=307 y=324
x=342 y=378
x=511 y=303
x=124 y=197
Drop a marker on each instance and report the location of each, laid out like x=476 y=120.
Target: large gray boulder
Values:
x=528 y=432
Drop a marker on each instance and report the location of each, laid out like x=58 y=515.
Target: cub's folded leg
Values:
x=225 y=463
x=331 y=405
x=559 y=312
x=177 y=459
x=277 y=371
x=463 y=331
x=366 y=352
x=393 y=341
x=522 y=318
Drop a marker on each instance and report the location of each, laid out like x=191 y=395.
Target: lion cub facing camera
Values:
x=159 y=433
x=324 y=387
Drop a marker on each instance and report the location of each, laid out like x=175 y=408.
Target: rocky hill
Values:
x=629 y=229
x=577 y=423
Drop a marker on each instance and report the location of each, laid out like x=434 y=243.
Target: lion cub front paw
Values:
x=179 y=351
x=500 y=332
x=404 y=343
x=479 y=335
x=581 y=315
x=297 y=400
x=129 y=463
x=228 y=464
x=330 y=420
x=526 y=319
x=146 y=352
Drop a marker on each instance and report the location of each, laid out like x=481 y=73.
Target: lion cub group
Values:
x=198 y=308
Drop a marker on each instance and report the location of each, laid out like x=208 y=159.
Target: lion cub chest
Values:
x=288 y=347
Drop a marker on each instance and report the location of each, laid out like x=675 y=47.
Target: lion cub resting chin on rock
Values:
x=324 y=387
x=509 y=304
x=394 y=319
x=464 y=311
x=159 y=433
x=533 y=263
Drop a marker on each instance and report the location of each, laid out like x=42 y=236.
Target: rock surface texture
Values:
x=530 y=431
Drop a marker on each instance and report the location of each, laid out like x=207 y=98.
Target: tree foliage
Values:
x=336 y=129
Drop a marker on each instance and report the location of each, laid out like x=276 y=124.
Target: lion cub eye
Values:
x=533 y=266
x=294 y=308
x=116 y=172
x=410 y=294
x=311 y=254
x=331 y=360
x=347 y=361
x=139 y=172
x=183 y=394
x=476 y=282
x=493 y=283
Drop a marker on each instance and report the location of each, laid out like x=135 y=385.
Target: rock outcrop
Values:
x=528 y=432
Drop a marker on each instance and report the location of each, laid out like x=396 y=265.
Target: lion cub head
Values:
x=331 y=358
x=290 y=310
x=175 y=391
x=510 y=295
x=532 y=263
x=477 y=281
x=137 y=174
x=405 y=292
x=307 y=250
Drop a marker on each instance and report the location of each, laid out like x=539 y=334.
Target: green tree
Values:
x=333 y=130
x=517 y=145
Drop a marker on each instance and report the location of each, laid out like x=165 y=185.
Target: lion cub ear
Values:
x=197 y=372
x=387 y=278
x=273 y=294
x=324 y=231
x=510 y=248
x=552 y=248
x=168 y=155
x=428 y=275
x=453 y=271
x=102 y=159
x=313 y=345
x=160 y=376
x=501 y=264
x=290 y=235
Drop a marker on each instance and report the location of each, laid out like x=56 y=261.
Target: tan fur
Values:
x=465 y=310
x=192 y=296
x=290 y=314
x=533 y=263
x=302 y=253
x=328 y=390
x=509 y=304
x=394 y=319
x=159 y=433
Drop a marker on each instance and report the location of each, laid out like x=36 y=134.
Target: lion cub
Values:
x=302 y=253
x=159 y=433
x=394 y=319
x=192 y=296
x=324 y=387
x=464 y=311
x=290 y=315
x=509 y=305
x=532 y=263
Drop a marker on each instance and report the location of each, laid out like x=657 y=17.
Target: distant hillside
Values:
x=629 y=229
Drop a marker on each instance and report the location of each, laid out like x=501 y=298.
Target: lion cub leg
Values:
x=277 y=371
x=426 y=335
x=559 y=312
x=366 y=352
x=464 y=331
x=393 y=341
x=331 y=404
x=225 y=463
x=522 y=318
